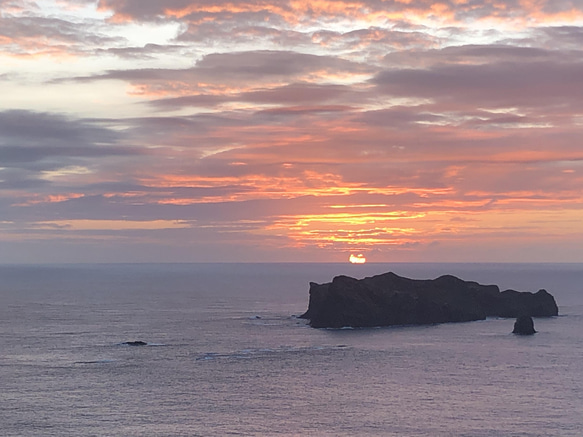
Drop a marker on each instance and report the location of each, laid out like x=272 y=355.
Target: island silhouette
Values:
x=389 y=299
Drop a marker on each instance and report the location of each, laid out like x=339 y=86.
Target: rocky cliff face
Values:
x=389 y=299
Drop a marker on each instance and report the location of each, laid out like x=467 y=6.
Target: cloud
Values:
x=290 y=94
x=34 y=35
x=29 y=128
x=14 y=6
x=291 y=127
x=302 y=10
x=146 y=52
x=222 y=72
x=531 y=79
x=36 y=147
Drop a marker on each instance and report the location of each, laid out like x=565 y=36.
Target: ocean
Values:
x=226 y=355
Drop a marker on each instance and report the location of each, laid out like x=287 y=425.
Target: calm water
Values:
x=226 y=357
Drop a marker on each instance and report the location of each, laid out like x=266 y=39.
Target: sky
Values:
x=291 y=131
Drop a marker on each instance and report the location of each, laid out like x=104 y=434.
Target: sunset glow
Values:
x=182 y=130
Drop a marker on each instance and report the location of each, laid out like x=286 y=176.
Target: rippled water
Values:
x=225 y=356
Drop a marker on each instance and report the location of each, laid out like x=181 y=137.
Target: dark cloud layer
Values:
x=509 y=84
x=33 y=143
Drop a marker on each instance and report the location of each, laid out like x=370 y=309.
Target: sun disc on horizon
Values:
x=357 y=259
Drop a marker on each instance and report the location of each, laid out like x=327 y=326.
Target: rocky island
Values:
x=389 y=299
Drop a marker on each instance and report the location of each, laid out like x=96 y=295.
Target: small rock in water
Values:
x=524 y=326
x=135 y=343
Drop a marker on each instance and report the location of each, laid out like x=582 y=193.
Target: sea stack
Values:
x=524 y=325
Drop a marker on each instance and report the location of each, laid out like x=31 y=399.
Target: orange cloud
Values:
x=112 y=225
x=51 y=198
x=300 y=12
x=372 y=231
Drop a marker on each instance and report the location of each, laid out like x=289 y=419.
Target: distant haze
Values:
x=268 y=130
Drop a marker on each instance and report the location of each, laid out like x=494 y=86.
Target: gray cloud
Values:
x=29 y=128
x=263 y=64
x=252 y=68
x=291 y=94
x=472 y=55
x=531 y=80
x=32 y=143
x=565 y=37
x=148 y=51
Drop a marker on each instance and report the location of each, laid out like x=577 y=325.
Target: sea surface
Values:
x=227 y=356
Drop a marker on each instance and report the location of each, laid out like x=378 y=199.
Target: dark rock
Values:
x=539 y=304
x=135 y=343
x=524 y=326
x=389 y=299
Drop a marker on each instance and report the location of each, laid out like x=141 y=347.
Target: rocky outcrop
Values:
x=135 y=343
x=389 y=299
x=524 y=325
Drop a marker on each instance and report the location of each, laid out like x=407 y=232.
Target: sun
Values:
x=357 y=259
